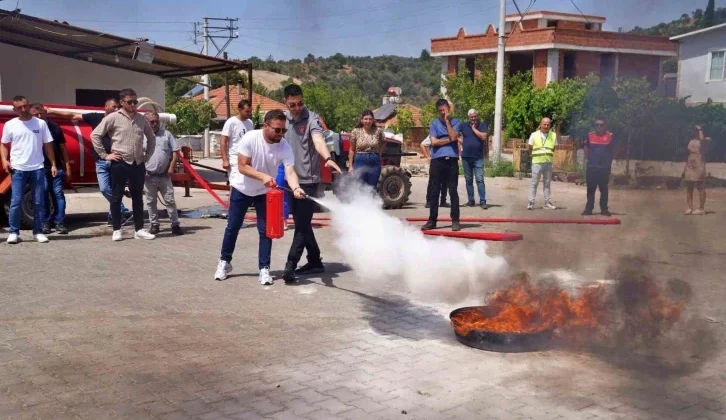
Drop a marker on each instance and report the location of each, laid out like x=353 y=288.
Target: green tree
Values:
x=709 y=15
x=175 y=88
x=404 y=121
x=339 y=107
x=428 y=114
x=192 y=116
x=425 y=55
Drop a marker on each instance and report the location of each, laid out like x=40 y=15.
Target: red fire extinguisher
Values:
x=275 y=219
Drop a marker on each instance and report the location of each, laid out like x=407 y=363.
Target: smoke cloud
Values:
x=381 y=248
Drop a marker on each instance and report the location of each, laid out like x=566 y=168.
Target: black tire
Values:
x=394 y=187
x=26 y=209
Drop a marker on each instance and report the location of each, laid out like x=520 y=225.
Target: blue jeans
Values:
x=370 y=167
x=280 y=180
x=103 y=168
x=20 y=179
x=238 y=205
x=474 y=171
x=54 y=187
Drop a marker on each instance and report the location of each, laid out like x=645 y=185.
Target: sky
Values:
x=288 y=29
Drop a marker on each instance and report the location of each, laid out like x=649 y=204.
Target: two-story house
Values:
x=701 y=59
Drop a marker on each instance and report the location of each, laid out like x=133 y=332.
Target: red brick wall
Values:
x=561 y=66
x=539 y=73
x=587 y=62
x=530 y=24
x=633 y=65
x=565 y=24
x=451 y=65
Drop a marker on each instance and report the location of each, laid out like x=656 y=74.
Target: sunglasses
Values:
x=599 y=125
x=282 y=130
x=294 y=105
x=132 y=102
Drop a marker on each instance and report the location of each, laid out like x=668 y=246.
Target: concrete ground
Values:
x=91 y=329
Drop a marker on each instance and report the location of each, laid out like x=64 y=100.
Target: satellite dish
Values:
x=398 y=91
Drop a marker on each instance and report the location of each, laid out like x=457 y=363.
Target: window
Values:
x=716 y=70
x=588 y=26
x=551 y=23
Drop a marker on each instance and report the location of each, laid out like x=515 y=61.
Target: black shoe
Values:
x=47 y=229
x=176 y=230
x=428 y=225
x=606 y=212
x=587 y=213
x=484 y=206
x=455 y=226
x=289 y=274
x=444 y=204
x=471 y=204
x=154 y=229
x=311 y=268
x=61 y=229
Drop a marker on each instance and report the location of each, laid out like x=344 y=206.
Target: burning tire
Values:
x=394 y=187
x=498 y=341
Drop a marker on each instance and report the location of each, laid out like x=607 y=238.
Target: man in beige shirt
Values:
x=126 y=128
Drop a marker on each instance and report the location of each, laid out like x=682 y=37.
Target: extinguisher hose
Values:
x=291 y=191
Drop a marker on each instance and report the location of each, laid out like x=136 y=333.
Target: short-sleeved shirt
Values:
x=599 y=150
x=166 y=144
x=264 y=157
x=94 y=119
x=234 y=129
x=473 y=146
x=26 y=139
x=439 y=131
x=58 y=139
x=300 y=136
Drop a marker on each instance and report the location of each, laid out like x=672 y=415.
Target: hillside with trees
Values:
x=698 y=19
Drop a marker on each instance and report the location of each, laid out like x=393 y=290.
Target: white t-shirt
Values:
x=264 y=157
x=26 y=139
x=235 y=129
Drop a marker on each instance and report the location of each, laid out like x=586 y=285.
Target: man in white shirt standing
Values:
x=29 y=137
x=259 y=154
x=234 y=129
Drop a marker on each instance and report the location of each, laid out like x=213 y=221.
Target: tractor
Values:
x=394 y=185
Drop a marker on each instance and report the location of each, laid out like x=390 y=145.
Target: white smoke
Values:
x=381 y=248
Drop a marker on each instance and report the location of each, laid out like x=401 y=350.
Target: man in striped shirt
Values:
x=126 y=128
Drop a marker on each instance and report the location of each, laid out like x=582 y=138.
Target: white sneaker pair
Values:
x=14 y=239
x=139 y=234
x=547 y=206
x=224 y=268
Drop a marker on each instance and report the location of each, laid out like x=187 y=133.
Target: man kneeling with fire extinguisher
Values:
x=259 y=154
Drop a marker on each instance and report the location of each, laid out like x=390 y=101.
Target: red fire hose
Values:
x=486 y=236
x=201 y=181
x=602 y=221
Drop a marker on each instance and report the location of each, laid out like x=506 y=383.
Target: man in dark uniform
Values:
x=305 y=135
x=599 y=153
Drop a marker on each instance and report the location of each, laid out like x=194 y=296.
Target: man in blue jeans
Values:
x=27 y=138
x=259 y=154
x=102 y=166
x=473 y=150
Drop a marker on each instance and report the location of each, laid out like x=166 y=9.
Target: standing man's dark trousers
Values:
x=444 y=171
x=597 y=178
x=134 y=174
x=304 y=239
x=430 y=189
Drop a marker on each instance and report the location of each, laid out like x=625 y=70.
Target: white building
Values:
x=56 y=63
x=701 y=59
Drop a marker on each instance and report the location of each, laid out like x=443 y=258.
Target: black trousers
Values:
x=134 y=174
x=444 y=171
x=597 y=178
x=429 y=189
x=304 y=239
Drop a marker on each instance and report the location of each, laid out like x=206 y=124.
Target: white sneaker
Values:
x=223 y=268
x=117 y=236
x=550 y=206
x=13 y=238
x=530 y=206
x=143 y=234
x=265 y=278
x=41 y=238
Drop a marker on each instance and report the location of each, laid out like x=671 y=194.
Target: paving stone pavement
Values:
x=91 y=329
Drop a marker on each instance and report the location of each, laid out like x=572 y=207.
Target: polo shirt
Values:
x=300 y=136
x=438 y=130
x=473 y=147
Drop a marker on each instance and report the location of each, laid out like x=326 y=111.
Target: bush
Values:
x=192 y=116
x=498 y=168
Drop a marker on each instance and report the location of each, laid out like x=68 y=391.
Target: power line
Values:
x=521 y=16
x=598 y=32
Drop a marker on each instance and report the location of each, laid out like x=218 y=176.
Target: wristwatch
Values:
x=330 y=158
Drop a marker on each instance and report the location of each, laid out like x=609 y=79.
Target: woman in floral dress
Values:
x=694 y=172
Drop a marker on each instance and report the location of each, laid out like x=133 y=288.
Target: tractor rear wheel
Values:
x=394 y=187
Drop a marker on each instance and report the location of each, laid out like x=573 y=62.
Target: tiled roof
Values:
x=415 y=112
x=216 y=97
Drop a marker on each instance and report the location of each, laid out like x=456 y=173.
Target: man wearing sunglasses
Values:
x=27 y=137
x=259 y=153
x=305 y=134
x=126 y=128
x=599 y=152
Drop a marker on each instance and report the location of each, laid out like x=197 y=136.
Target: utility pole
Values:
x=226 y=92
x=498 y=100
x=232 y=33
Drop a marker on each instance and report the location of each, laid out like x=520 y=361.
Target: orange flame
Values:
x=640 y=310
